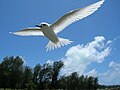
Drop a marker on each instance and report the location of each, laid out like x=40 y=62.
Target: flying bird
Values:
x=51 y=30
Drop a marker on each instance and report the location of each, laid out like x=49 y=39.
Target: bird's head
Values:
x=41 y=25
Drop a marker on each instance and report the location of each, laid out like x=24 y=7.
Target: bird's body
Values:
x=50 y=34
x=51 y=31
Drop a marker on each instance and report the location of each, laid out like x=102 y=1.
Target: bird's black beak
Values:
x=38 y=26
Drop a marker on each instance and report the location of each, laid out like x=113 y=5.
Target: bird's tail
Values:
x=62 y=42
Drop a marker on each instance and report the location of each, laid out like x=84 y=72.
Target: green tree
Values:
x=96 y=85
x=13 y=74
x=11 y=71
x=45 y=75
x=55 y=73
x=74 y=81
x=81 y=82
x=90 y=82
x=37 y=70
x=27 y=78
x=63 y=82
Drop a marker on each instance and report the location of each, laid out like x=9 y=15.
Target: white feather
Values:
x=62 y=42
x=75 y=15
x=31 y=31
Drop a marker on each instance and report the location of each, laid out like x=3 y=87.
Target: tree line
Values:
x=15 y=75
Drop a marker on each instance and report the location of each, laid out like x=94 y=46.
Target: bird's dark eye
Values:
x=44 y=24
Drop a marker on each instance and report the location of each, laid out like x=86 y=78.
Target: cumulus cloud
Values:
x=112 y=75
x=78 y=57
x=114 y=64
x=92 y=73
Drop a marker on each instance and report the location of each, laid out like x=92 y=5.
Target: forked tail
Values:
x=62 y=42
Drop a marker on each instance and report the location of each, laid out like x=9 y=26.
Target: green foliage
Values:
x=55 y=72
x=10 y=72
x=14 y=74
x=76 y=82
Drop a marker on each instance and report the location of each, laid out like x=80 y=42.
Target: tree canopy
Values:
x=15 y=75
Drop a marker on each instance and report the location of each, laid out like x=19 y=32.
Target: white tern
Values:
x=51 y=30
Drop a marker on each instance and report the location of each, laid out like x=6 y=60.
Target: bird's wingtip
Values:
x=10 y=32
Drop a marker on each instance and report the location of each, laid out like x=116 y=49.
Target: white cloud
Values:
x=114 y=64
x=50 y=62
x=112 y=76
x=92 y=73
x=78 y=57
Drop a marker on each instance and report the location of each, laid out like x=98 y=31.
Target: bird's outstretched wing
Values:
x=75 y=15
x=31 y=31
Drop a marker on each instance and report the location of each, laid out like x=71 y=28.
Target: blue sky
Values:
x=101 y=28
